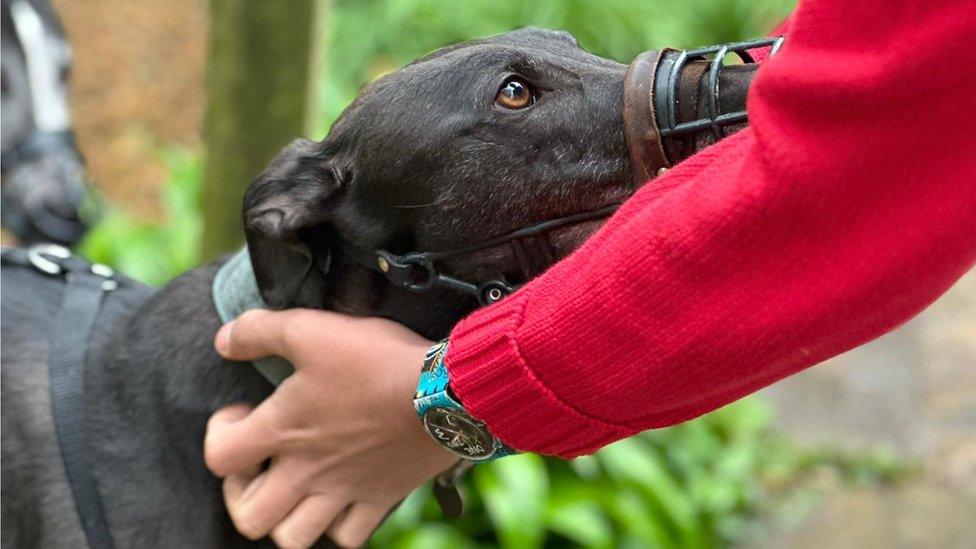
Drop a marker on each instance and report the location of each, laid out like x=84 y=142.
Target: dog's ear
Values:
x=285 y=213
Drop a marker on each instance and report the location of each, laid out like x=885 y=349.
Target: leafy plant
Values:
x=695 y=485
x=692 y=485
x=154 y=251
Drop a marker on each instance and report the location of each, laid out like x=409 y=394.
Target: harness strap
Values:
x=82 y=298
x=86 y=285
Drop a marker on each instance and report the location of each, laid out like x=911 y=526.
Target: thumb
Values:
x=259 y=333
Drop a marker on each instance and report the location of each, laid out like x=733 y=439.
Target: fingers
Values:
x=359 y=522
x=307 y=522
x=233 y=488
x=256 y=504
x=238 y=438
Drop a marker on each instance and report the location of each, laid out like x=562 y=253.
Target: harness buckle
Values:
x=36 y=253
x=106 y=272
x=38 y=256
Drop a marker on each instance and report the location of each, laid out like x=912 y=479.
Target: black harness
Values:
x=86 y=285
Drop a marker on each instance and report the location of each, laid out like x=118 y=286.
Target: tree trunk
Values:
x=258 y=86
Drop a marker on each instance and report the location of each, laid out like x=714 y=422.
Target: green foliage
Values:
x=693 y=485
x=154 y=251
x=366 y=38
x=865 y=468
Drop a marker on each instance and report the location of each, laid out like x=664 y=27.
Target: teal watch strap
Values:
x=446 y=419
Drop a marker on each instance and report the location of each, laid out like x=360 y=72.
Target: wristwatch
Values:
x=445 y=418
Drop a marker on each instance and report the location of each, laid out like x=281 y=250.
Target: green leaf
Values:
x=631 y=462
x=514 y=490
x=586 y=467
x=582 y=522
x=637 y=519
x=154 y=252
x=431 y=536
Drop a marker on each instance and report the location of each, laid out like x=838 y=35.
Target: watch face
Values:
x=459 y=433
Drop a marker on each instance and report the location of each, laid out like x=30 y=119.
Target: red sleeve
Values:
x=847 y=207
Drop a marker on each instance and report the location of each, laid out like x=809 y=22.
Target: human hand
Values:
x=344 y=441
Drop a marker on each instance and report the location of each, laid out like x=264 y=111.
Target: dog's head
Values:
x=467 y=143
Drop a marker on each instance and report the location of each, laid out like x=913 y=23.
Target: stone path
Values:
x=913 y=391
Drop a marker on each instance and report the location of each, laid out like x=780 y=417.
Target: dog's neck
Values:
x=234 y=291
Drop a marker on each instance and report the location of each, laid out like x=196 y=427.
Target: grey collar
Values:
x=235 y=290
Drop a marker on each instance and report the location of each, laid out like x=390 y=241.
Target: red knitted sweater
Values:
x=846 y=207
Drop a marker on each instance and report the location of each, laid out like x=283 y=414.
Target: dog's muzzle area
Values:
x=659 y=81
x=44 y=189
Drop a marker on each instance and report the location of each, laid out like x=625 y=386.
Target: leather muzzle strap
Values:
x=640 y=123
x=649 y=153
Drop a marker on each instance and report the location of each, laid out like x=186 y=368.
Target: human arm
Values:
x=845 y=208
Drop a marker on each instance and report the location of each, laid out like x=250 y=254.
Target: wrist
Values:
x=400 y=396
x=444 y=417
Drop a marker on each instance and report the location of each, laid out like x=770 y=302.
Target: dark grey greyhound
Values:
x=468 y=143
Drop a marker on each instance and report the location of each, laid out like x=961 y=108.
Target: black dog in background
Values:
x=470 y=142
x=42 y=181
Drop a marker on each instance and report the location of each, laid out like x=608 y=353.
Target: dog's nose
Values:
x=50 y=192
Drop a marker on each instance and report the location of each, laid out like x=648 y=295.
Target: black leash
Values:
x=86 y=285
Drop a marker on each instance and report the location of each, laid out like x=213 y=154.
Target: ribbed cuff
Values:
x=494 y=383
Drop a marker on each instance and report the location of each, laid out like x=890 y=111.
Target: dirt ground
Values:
x=136 y=88
x=914 y=392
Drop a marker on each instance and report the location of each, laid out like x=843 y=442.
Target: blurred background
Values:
x=177 y=104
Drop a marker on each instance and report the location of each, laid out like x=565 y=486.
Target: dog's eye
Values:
x=514 y=94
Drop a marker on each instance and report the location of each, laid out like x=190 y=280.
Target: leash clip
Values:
x=448 y=493
x=413 y=271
